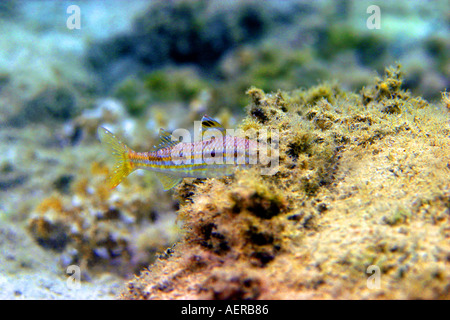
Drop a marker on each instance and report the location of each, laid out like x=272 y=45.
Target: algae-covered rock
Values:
x=8 y=8
x=360 y=187
x=53 y=103
x=99 y=231
x=271 y=45
x=197 y=32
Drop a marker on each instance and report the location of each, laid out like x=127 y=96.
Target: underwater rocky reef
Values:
x=363 y=181
x=223 y=48
x=363 y=122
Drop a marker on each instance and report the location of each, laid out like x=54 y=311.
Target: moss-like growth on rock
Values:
x=363 y=180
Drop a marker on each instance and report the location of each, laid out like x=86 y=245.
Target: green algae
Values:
x=397 y=217
x=133 y=95
x=184 y=85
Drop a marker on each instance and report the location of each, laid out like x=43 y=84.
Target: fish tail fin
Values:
x=123 y=166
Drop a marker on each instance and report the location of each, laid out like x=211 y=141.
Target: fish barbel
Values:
x=174 y=160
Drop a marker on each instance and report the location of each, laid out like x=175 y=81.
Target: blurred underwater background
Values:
x=137 y=66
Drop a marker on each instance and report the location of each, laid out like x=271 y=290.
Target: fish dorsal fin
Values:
x=168 y=180
x=165 y=140
x=209 y=123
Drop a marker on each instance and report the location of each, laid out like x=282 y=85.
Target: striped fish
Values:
x=216 y=156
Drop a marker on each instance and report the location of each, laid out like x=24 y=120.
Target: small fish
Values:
x=207 y=158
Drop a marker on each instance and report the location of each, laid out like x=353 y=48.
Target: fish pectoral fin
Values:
x=168 y=180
